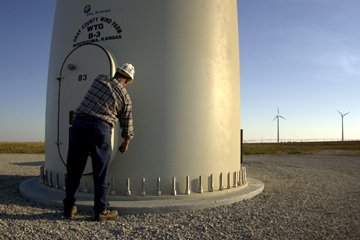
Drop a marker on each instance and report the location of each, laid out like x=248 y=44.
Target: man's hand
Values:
x=124 y=146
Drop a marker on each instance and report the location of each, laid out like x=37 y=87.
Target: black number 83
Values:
x=82 y=77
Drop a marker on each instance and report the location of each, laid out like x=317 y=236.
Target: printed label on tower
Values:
x=92 y=31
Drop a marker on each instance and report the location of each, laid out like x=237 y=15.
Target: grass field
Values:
x=298 y=147
x=22 y=147
x=248 y=148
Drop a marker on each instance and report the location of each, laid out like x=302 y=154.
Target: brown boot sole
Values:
x=102 y=217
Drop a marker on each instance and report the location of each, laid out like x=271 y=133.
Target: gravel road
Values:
x=306 y=196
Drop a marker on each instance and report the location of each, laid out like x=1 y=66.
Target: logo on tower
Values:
x=87 y=8
x=90 y=12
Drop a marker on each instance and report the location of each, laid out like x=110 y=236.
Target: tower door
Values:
x=78 y=71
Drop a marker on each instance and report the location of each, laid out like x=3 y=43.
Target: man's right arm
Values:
x=124 y=146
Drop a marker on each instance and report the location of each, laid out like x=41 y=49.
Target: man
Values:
x=106 y=101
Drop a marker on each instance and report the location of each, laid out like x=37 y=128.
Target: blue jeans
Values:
x=89 y=135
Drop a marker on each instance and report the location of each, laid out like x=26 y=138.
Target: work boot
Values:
x=106 y=215
x=69 y=212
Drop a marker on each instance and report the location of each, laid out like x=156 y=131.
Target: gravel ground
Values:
x=306 y=196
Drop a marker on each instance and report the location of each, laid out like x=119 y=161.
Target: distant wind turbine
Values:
x=342 y=124
x=278 y=116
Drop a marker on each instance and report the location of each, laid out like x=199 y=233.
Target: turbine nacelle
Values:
x=279 y=116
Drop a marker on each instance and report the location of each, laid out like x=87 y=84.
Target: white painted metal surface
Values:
x=186 y=92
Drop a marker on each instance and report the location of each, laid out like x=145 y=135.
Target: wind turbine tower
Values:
x=342 y=124
x=277 y=117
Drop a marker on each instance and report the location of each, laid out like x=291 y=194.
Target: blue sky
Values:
x=26 y=29
x=302 y=56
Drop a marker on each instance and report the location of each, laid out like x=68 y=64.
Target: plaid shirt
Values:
x=108 y=100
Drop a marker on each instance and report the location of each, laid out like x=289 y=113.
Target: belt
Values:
x=92 y=117
x=88 y=116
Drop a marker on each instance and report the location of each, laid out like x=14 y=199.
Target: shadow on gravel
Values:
x=10 y=196
x=45 y=216
x=13 y=206
x=57 y=216
x=33 y=164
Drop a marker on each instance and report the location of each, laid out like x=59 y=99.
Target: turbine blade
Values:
x=278 y=110
x=275 y=118
x=346 y=113
x=339 y=112
x=282 y=117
